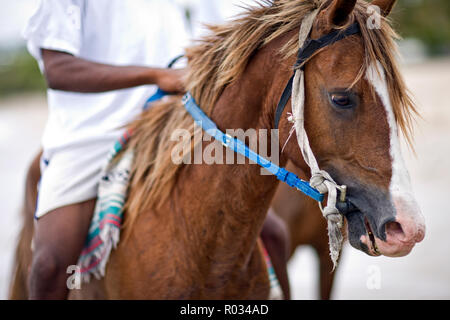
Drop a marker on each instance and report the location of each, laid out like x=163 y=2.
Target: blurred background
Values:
x=425 y=48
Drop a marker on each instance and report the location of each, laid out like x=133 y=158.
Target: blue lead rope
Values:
x=235 y=144
x=238 y=146
x=159 y=94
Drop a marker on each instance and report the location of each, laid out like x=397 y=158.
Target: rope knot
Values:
x=317 y=181
x=324 y=183
x=332 y=214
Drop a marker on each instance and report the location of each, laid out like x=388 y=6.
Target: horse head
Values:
x=355 y=101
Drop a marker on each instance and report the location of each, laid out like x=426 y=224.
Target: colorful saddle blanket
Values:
x=104 y=231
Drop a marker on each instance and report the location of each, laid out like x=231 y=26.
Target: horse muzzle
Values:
x=381 y=224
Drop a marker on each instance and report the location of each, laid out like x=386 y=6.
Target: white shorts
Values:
x=70 y=175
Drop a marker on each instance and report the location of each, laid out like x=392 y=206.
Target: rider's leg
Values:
x=275 y=236
x=58 y=241
x=69 y=179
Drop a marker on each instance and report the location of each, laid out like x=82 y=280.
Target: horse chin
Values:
x=359 y=235
x=370 y=241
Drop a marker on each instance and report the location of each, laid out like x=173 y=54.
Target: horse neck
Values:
x=240 y=195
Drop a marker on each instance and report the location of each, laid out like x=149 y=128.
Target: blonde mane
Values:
x=220 y=58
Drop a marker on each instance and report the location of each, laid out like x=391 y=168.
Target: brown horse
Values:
x=191 y=231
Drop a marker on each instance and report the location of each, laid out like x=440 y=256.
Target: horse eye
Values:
x=341 y=100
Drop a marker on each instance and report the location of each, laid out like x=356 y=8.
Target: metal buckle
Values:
x=227 y=139
x=343 y=194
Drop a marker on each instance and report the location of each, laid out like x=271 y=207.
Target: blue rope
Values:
x=159 y=94
x=238 y=146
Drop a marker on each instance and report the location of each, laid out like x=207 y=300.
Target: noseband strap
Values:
x=304 y=53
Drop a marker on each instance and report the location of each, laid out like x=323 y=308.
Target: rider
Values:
x=102 y=59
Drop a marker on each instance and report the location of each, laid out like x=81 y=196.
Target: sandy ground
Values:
x=424 y=274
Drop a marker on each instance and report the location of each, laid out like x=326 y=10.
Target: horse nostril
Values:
x=395 y=230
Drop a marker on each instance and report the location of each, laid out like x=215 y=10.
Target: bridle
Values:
x=309 y=48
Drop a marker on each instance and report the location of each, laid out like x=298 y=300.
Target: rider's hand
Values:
x=171 y=80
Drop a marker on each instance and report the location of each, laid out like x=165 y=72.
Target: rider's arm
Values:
x=66 y=72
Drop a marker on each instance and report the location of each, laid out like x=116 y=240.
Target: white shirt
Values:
x=117 y=32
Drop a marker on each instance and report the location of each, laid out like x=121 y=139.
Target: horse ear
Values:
x=384 y=5
x=339 y=11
